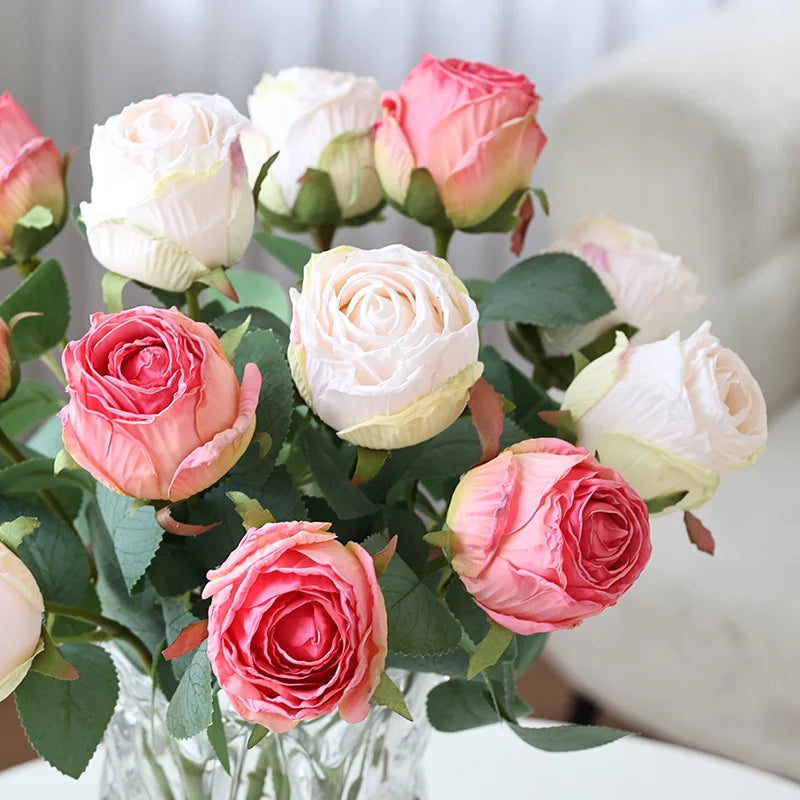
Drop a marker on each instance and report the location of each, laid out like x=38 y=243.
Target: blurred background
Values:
x=678 y=116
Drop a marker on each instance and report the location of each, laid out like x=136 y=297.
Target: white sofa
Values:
x=695 y=136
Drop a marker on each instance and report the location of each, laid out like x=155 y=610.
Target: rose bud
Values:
x=155 y=409
x=170 y=198
x=297 y=626
x=652 y=290
x=473 y=127
x=31 y=174
x=384 y=344
x=544 y=536
x=21 y=609
x=320 y=122
x=670 y=416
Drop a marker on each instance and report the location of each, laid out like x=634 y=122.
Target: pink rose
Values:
x=297 y=626
x=471 y=125
x=545 y=536
x=31 y=173
x=155 y=409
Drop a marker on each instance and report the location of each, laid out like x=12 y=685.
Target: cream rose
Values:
x=652 y=290
x=21 y=609
x=384 y=344
x=670 y=416
x=170 y=198
x=320 y=119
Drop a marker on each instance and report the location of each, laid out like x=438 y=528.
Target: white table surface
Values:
x=491 y=762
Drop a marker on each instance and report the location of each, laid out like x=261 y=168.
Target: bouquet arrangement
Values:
x=277 y=509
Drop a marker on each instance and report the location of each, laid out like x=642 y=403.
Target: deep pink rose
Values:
x=297 y=626
x=155 y=409
x=472 y=125
x=31 y=172
x=545 y=536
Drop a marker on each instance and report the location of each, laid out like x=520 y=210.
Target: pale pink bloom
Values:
x=155 y=409
x=472 y=126
x=31 y=172
x=544 y=536
x=297 y=626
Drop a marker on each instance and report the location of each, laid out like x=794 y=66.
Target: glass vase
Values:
x=324 y=759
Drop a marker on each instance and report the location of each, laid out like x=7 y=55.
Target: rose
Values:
x=544 y=536
x=21 y=609
x=297 y=626
x=384 y=344
x=155 y=410
x=671 y=415
x=472 y=126
x=652 y=290
x=31 y=172
x=320 y=120
x=170 y=199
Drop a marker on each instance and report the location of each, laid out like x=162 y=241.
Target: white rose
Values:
x=170 y=198
x=320 y=119
x=384 y=344
x=670 y=416
x=652 y=290
x=21 y=609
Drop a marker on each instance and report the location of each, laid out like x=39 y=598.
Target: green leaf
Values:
x=47 y=440
x=250 y=510
x=410 y=530
x=368 y=465
x=418 y=623
x=257 y=735
x=292 y=254
x=13 y=532
x=580 y=361
x=548 y=289
x=176 y=618
x=190 y=709
x=606 y=341
x=35 y=474
x=562 y=738
x=477 y=288
x=490 y=650
x=452 y=664
x=65 y=720
x=346 y=500
x=113 y=285
x=217 y=737
x=51 y=662
x=316 y=202
x=656 y=505
x=472 y=617
x=260 y=320
x=31 y=402
x=44 y=291
x=388 y=694
x=136 y=536
x=459 y=705
x=262 y=174
x=259 y=289
x=423 y=203
x=231 y=339
x=438 y=538
x=528 y=650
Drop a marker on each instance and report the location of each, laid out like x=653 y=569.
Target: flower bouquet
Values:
x=261 y=544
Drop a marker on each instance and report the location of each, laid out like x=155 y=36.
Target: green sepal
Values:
x=504 y=219
x=217 y=737
x=423 y=203
x=262 y=174
x=368 y=465
x=489 y=650
x=231 y=339
x=31 y=232
x=51 y=662
x=438 y=538
x=112 y=285
x=12 y=533
x=64 y=460
x=544 y=202
x=655 y=505
x=258 y=733
x=316 y=202
x=388 y=694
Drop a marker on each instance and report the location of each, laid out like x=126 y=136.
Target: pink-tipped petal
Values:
x=394 y=161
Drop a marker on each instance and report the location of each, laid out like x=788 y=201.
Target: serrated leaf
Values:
x=190 y=709
x=293 y=255
x=388 y=694
x=260 y=290
x=217 y=737
x=472 y=617
x=459 y=705
x=529 y=648
x=35 y=474
x=176 y=620
x=231 y=339
x=13 y=532
x=45 y=291
x=562 y=738
x=65 y=720
x=52 y=663
x=136 y=536
x=250 y=510
x=32 y=402
x=489 y=650
x=548 y=289
x=260 y=320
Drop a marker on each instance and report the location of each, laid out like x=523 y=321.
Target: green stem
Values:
x=323 y=237
x=49 y=500
x=47 y=358
x=192 y=303
x=441 y=241
x=114 y=629
x=25 y=268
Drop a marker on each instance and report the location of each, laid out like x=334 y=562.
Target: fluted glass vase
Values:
x=325 y=759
